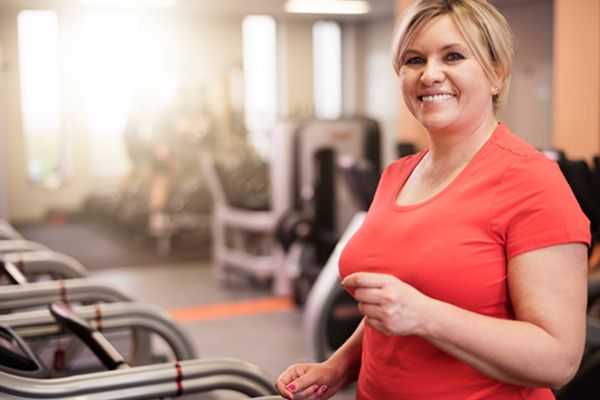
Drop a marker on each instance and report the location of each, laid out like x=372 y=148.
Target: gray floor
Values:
x=270 y=340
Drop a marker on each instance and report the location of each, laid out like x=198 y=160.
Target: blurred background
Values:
x=86 y=84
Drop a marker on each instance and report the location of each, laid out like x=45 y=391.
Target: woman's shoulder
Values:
x=518 y=154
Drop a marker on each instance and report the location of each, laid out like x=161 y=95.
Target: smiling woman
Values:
x=459 y=311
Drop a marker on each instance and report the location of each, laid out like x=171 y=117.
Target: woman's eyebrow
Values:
x=452 y=45
x=443 y=48
x=413 y=51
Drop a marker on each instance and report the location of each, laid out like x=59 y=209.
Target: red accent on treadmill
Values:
x=98 y=317
x=179 y=379
x=63 y=291
x=58 y=363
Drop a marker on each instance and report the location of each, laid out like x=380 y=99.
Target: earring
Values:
x=494 y=90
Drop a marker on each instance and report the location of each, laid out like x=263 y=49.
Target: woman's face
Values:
x=443 y=84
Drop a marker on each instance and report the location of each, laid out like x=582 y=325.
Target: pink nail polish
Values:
x=324 y=389
x=291 y=387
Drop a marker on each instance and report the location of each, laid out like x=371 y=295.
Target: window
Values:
x=260 y=80
x=127 y=60
x=327 y=59
x=41 y=109
x=111 y=63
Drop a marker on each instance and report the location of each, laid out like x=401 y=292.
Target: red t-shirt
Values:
x=454 y=247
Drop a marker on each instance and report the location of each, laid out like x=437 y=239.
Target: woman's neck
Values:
x=450 y=150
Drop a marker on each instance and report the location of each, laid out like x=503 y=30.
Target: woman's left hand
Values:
x=390 y=306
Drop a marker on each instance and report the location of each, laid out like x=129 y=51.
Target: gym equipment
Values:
x=586 y=385
x=322 y=202
x=141 y=319
x=163 y=197
x=361 y=178
x=36 y=294
x=8 y=232
x=303 y=186
x=17 y=358
x=21 y=372
x=122 y=381
x=226 y=218
x=66 y=317
x=12 y=273
x=20 y=245
x=85 y=292
x=37 y=264
x=405 y=149
x=147 y=382
x=579 y=176
x=331 y=314
x=319 y=145
x=268 y=398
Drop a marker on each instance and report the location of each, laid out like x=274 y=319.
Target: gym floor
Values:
x=240 y=319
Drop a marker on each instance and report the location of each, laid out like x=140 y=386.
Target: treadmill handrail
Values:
x=145 y=382
x=38 y=262
x=115 y=317
x=36 y=294
x=20 y=245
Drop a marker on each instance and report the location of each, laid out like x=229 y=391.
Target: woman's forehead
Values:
x=440 y=30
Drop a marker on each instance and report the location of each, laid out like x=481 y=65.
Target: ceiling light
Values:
x=130 y=3
x=327 y=6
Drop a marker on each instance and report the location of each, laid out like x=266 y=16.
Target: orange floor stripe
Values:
x=234 y=309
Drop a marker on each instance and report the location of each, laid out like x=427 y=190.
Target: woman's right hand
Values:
x=309 y=382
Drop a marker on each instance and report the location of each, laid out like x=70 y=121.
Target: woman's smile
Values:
x=436 y=98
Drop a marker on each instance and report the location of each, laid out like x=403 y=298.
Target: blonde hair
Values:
x=484 y=28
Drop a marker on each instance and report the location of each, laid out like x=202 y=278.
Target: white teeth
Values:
x=436 y=98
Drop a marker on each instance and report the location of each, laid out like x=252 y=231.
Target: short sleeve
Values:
x=534 y=208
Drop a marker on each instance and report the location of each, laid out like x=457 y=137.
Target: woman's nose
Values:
x=432 y=73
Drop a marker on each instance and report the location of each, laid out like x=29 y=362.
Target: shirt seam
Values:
x=496 y=233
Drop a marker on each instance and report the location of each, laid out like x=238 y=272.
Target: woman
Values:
x=470 y=267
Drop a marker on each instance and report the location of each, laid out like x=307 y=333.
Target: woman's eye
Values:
x=454 y=57
x=414 y=60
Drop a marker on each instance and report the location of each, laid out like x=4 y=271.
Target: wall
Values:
x=4 y=212
x=576 y=108
x=296 y=68
x=381 y=94
x=529 y=109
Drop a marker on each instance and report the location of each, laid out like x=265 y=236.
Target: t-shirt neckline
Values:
x=458 y=178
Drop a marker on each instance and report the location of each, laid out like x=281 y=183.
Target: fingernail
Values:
x=291 y=387
x=316 y=389
x=324 y=388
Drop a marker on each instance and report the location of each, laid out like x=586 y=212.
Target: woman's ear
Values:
x=498 y=82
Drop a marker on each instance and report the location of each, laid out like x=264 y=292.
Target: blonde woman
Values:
x=471 y=265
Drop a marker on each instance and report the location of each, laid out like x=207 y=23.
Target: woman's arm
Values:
x=542 y=347
x=324 y=380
